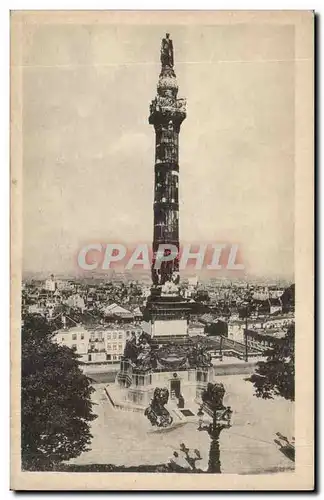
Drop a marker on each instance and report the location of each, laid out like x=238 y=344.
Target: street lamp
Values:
x=248 y=301
x=221 y=348
x=221 y=420
x=246 y=345
x=200 y=415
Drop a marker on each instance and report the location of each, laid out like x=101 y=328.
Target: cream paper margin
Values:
x=303 y=477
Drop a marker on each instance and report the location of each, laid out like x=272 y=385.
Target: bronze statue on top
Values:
x=167 y=52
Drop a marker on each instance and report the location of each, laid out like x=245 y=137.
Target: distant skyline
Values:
x=88 y=150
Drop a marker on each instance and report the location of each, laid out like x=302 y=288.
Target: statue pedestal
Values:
x=166 y=317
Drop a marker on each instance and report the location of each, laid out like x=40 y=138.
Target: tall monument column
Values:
x=166 y=314
x=167 y=112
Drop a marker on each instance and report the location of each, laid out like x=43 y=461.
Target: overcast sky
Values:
x=88 y=151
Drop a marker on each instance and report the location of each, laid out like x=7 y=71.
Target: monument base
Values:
x=134 y=389
x=166 y=317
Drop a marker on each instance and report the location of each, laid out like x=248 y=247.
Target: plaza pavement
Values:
x=127 y=438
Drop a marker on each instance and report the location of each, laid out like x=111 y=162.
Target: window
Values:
x=82 y=336
x=74 y=347
x=74 y=336
x=120 y=335
x=201 y=377
x=114 y=347
x=114 y=336
x=89 y=357
x=62 y=339
x=120 y=347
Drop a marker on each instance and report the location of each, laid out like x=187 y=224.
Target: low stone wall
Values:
x=221 y=368
x=103 y=377
x=239 y=368
x=122 y=405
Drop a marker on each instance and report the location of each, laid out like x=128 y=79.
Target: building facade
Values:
x=50 y=284
x=264 y=339
x=101 y=344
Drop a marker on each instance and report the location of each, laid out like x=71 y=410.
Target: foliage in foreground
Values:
x=56 y=406
x=276 y=375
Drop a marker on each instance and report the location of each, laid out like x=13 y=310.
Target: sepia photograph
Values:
x=161 y=250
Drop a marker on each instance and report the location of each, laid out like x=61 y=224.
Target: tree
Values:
x=276 y=375
x=217 y=328
x=56 y=407
x=288 y=299
x=202 y=296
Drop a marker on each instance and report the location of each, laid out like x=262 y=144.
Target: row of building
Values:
x=100 y=344
x=88 y=321
x=105 y=343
